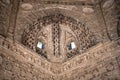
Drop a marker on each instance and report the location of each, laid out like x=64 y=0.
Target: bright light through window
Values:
x=72 y=46
x=40 y=45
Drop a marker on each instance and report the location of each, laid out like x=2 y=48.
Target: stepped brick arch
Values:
x=56 y=32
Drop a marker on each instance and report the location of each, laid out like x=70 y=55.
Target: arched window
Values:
x=71 y=46
x=40 y=45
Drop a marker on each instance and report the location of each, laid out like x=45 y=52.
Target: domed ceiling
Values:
x=60 y=30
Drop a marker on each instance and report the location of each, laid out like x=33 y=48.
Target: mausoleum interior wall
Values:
x=94 y=25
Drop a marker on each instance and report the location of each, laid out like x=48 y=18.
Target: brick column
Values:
x=12 y=19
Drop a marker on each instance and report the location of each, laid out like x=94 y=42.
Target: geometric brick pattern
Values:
x=84 y=37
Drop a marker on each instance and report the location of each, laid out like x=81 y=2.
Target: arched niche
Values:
x=57 y=32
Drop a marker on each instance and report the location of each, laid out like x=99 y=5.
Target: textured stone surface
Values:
x=56 y=35
x=95 y=21
x=5 y=9
x=22 y=62
x=0 y=60
x=100 y=62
